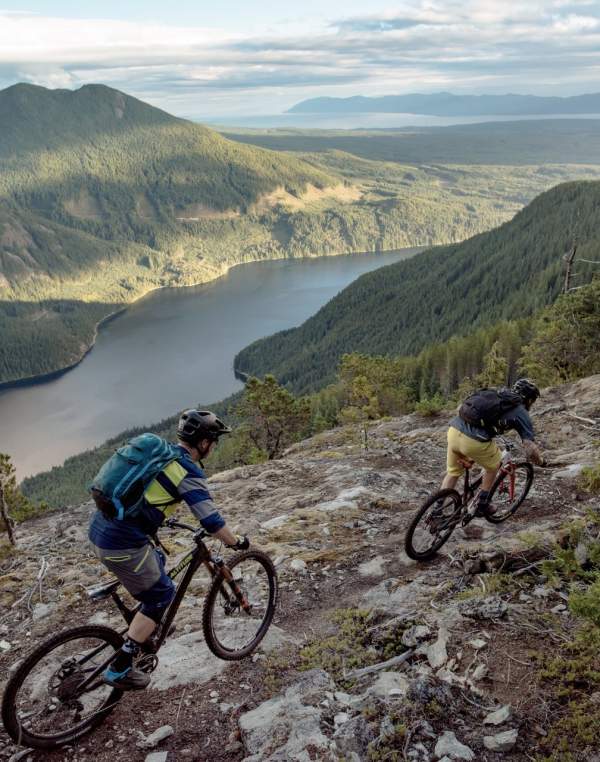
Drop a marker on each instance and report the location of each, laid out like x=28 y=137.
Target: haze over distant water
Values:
x=172 y=349
x=352 y=121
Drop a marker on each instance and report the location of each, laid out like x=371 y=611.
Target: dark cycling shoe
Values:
x=130 y=680
x=485 y=509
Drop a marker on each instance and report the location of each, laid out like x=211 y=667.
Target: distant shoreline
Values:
x=43 y=378
x=52 y=375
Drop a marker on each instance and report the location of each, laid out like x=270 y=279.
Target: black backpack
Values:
x=486 y=407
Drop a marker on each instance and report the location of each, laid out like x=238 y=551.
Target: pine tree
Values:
x=495 y=368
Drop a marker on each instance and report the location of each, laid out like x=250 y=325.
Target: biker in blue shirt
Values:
x=125 y=548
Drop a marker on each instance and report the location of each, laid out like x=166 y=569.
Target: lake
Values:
x=170 y=350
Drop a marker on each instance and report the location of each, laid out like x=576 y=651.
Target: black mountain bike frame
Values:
x=191 y=562
x=470 y=487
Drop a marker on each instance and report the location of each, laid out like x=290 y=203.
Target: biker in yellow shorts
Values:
x=470 y=442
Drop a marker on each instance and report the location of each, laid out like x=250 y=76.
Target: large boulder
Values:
x=287 y=728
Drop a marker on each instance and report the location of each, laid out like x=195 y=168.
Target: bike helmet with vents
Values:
x=195 y=425
x=527 y=389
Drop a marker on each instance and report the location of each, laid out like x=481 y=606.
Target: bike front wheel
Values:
x=44 y=705
x=433 y=524
x=240 y=605
x=509 y=490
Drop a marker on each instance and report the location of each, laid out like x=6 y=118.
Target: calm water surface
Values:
x=172 y=349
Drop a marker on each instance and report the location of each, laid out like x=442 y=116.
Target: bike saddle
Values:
x=98 y=592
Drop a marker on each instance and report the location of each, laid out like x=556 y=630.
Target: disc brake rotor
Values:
x=64 y=683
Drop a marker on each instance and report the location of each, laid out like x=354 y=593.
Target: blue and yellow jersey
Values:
x=181 y=480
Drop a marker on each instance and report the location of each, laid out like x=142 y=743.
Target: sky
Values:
x=225 y=57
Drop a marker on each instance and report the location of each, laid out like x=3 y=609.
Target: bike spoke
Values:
x=509 y=492
x=49 y=702
x=435 y=526
x=233 y=625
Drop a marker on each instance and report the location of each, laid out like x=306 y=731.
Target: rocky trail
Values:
x=371 y=656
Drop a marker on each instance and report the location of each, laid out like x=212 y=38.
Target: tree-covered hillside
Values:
x=510 y=272
x=556 y=141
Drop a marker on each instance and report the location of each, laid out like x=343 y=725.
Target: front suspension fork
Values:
x=219 y=567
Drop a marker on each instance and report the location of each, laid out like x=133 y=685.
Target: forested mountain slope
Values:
x=544 y=141
x=128 y=158
x=509 y=272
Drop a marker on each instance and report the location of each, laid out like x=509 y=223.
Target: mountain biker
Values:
x=470 y=442
x=124 y=546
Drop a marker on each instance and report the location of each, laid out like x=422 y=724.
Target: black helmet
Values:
x=195 y=425
x=527 y=389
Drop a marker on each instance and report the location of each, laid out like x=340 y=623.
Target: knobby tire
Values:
x=213 y=599
x=411 y=551
x=523 y=467
x=9 y=709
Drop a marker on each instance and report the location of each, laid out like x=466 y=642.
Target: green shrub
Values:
x=430 y=406
x=589 y=479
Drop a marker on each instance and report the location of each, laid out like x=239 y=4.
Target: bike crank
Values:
x=147 y=663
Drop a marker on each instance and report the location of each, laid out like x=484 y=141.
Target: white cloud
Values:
x=422 y=45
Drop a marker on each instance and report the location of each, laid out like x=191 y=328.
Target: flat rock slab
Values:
x=389 y=685
x=499 y=716
x=393 y=596
x=373 y=568
x=501 y=741
x=283 y=728
x=492 y=607
x=186 y=660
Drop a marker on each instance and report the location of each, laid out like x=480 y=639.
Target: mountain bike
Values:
x=57 y=693
x=443 y=511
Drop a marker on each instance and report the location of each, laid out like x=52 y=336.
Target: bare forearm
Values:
x=226 y=535
x=533 y=452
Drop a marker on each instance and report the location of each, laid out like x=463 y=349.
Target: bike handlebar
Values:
x=174 y=524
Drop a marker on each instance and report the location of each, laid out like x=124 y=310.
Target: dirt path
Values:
x=342 y=510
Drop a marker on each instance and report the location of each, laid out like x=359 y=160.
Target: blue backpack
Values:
x=118 y=488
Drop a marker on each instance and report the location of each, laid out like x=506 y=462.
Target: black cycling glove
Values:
x=243 y=543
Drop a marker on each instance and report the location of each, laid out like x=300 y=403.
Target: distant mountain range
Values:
x=448 y=104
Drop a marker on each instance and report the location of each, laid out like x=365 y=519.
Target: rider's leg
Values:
x=454 y=468
x=483 y=502
x=141 y=571
x=141 y=627
x=449 y=481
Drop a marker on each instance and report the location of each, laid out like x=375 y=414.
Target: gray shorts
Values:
x=138 y=569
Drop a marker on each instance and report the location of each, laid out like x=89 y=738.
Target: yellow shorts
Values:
x=485 y=454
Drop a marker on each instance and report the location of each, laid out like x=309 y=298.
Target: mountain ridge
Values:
x=449 y=104
x=332 y=514
x=506 y=273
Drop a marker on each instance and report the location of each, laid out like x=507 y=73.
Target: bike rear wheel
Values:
x=237 y=613
x=433 y=524
x=508 y=492
x=42 y=705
